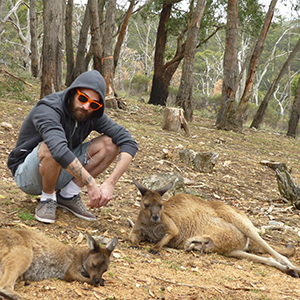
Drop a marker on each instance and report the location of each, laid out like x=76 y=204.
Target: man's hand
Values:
x=106 y=191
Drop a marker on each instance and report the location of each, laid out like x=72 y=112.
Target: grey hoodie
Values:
x=50 y=121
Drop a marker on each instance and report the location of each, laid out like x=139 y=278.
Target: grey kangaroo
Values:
x=33 y=256
x=189 y=222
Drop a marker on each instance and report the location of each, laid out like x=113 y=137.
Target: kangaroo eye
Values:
x=146 y=205
x=160 y=206
x=94 y=266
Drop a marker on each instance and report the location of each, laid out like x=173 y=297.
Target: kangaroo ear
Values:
x=93 y=245
x=165 y=188
x=111 y=245
x=141 y=188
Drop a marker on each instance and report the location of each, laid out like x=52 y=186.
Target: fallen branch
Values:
x=244 y=288
x=92 y=290
x=288 y=189
x=14 y=76
x=178 y=283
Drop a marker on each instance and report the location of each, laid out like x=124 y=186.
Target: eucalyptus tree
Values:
x=163 y=72
x=184 y=97
x=244 y=19
x=52 y=54
x=15 y=20
x=234 y=120
x=34 y=55
x=295 y=113
x=174 y=22
x=141 y=37
x=230 y=60
x=258 y=118
x=103 y=21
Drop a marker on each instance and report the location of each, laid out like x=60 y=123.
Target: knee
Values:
x=104 y=146
x=44 y=152
x=109 y=146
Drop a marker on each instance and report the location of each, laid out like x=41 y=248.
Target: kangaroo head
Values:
x=152 y=203
x=97 y=260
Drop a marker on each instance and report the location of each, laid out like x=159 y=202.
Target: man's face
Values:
x=82 y=111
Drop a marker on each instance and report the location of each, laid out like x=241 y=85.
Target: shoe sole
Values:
x=75 y=213
x=44 y=220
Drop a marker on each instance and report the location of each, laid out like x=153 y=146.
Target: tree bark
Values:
x=236 y=121
x=174 y=120
x=295 y=113
x=163 y=72
x=230 y=61
x=34 y=56
x=52 y=47
x=1 y=5
x=69 y=43
x=184 y=97
x=122 y=34
x=96 y=36
x=258 y=118
x=107 y=62
x=82 y=61
x=159 y=91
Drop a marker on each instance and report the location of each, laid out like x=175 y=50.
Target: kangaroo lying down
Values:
x=189 y=222
x=33 y=256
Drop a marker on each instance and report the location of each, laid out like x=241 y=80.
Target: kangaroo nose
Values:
x=155 y=218
x=97 y=281
x=102 y=282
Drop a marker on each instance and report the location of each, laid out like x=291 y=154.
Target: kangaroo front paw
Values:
x=135 y=247
x=152 y=251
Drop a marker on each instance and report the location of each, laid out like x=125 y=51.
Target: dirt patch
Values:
x=239 y=180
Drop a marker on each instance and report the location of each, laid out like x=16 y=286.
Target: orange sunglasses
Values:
x=83 y=98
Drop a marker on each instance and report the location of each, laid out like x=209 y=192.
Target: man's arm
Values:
x=76 y=169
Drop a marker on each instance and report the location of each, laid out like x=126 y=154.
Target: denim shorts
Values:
x=28 y=177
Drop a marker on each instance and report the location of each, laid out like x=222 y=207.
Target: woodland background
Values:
x=170 y=53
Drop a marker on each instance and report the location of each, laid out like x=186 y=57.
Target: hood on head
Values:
x=91 y=80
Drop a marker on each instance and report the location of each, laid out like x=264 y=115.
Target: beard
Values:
x=79 y=114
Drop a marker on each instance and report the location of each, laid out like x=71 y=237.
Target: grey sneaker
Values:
x=45 y=211
x=75 y=206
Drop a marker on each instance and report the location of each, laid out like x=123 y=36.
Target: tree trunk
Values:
x=159 y=91
x=52 y=47
x=184 y=97
x=1 y=5
x=33 y=42
x=230 y=61
x=69 y=43
x=258 y=118
x=95 y=32
x=81 y=62
x=174 y=120
x=236 y=121
x=295 y=113
x=122 y=34
x=163 y=72
x=107 y=62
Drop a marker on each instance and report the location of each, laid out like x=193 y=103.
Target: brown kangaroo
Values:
x=33 y=256
x=189 y=222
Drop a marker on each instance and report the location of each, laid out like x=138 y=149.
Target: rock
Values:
x=157 y=181
x=201 y=162
x=6 y=125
